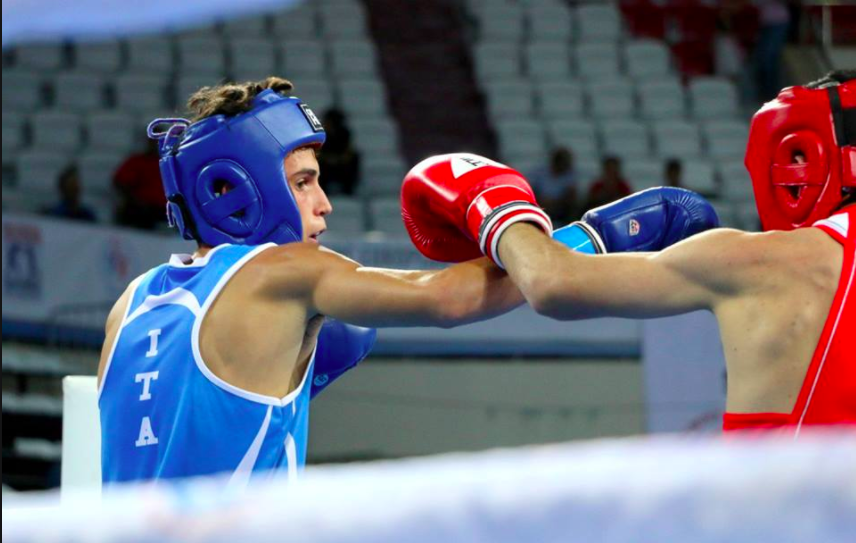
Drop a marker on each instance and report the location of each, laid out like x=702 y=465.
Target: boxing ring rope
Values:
x=669 y=488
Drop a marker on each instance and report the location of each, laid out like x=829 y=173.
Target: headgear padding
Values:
x=820 y=125
x=244 y=153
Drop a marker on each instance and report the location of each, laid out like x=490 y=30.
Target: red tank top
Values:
x=828 y=393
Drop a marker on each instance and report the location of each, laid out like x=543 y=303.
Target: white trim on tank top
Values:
x=180 y=260
x=840 y=223
x=135 y=284
x=197 y=354
x=241 y=476
x=178 y=296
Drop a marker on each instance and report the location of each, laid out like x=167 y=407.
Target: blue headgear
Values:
x=246 y=152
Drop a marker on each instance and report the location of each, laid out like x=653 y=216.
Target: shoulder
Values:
x=741 y=249
x=117 y=312
x=295 y=266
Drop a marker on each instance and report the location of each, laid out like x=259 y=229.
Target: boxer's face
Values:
x=302 y=172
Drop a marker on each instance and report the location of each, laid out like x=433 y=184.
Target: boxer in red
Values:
x=784 y=299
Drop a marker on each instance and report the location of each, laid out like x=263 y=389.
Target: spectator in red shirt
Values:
x=610 y=186
x=142 y=203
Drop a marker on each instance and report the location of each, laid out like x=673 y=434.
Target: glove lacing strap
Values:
x=493 y=227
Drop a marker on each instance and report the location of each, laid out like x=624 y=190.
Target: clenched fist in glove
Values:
x=457 y=206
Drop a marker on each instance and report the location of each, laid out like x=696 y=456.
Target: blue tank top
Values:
x=164 y=414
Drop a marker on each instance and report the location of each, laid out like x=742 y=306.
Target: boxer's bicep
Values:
x=462 y=293
x=688 y=276
x=377 y=297
x=697 y=273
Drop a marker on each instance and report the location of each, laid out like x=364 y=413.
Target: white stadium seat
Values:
x=347 y=218
x=22 y=90
x=38 y=172
x=504 y=23
x=362 y=97
x=597 y=61
x=553 y=23
x=519 y=137
x=598 y=22
x=560 y=99
x=246 y=27
x=353 y=58
x=625 y=139
x=201 y=56
x=548 y=61
x=661 y=99
x=509 y=99
x=578 y=135
x=111 y=130
x=381 y=175
x=698 y=175
x=150 y=55
x=386 y=217
x=713 y=97
x=55 y=131
x=317 y=93
x=301 y=58
x=646 y=58
x=44 y=57
x=611 y=99
x=74 y=91
x=101 y=57
x=374 y=135
x=346 y=21
x=496 y=61
x=13 y=131
x=251 y=59
x=735 y=181
x=140 y=92
x=643 y=173
x=676 y=139
x=300 y=22
x=96 y=171
x=726 y=139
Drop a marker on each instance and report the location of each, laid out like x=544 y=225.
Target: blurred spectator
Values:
x=775 y=19
x=338 y=160
x=673 y=172
x=70 y=206
x=610 y=186
x=142 y=202
x=556 y=185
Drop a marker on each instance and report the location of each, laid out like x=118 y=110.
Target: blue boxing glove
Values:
x=339 y=348
x=646 y=221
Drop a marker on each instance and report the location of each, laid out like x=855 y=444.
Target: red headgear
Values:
x=818 y=123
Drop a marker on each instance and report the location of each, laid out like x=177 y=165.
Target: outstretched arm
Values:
x=331 y=284
x=697 y=273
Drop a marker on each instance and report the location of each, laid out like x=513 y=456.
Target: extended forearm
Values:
x=474 y=291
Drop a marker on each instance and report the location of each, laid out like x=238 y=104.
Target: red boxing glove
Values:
x=457 y=206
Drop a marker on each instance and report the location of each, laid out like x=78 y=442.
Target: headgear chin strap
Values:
x=244 y=153
x=817 y=124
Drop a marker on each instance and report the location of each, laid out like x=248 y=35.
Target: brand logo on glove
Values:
x=462 y=164
x=634 y=227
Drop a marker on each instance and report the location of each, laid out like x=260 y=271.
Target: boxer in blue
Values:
x=210 y=360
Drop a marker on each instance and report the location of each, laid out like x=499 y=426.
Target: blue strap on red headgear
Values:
x=245 y=152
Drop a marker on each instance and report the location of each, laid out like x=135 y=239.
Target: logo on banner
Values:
x=118 y=266
x=22 y=269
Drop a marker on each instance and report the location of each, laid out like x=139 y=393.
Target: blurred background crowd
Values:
x=592 y=100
